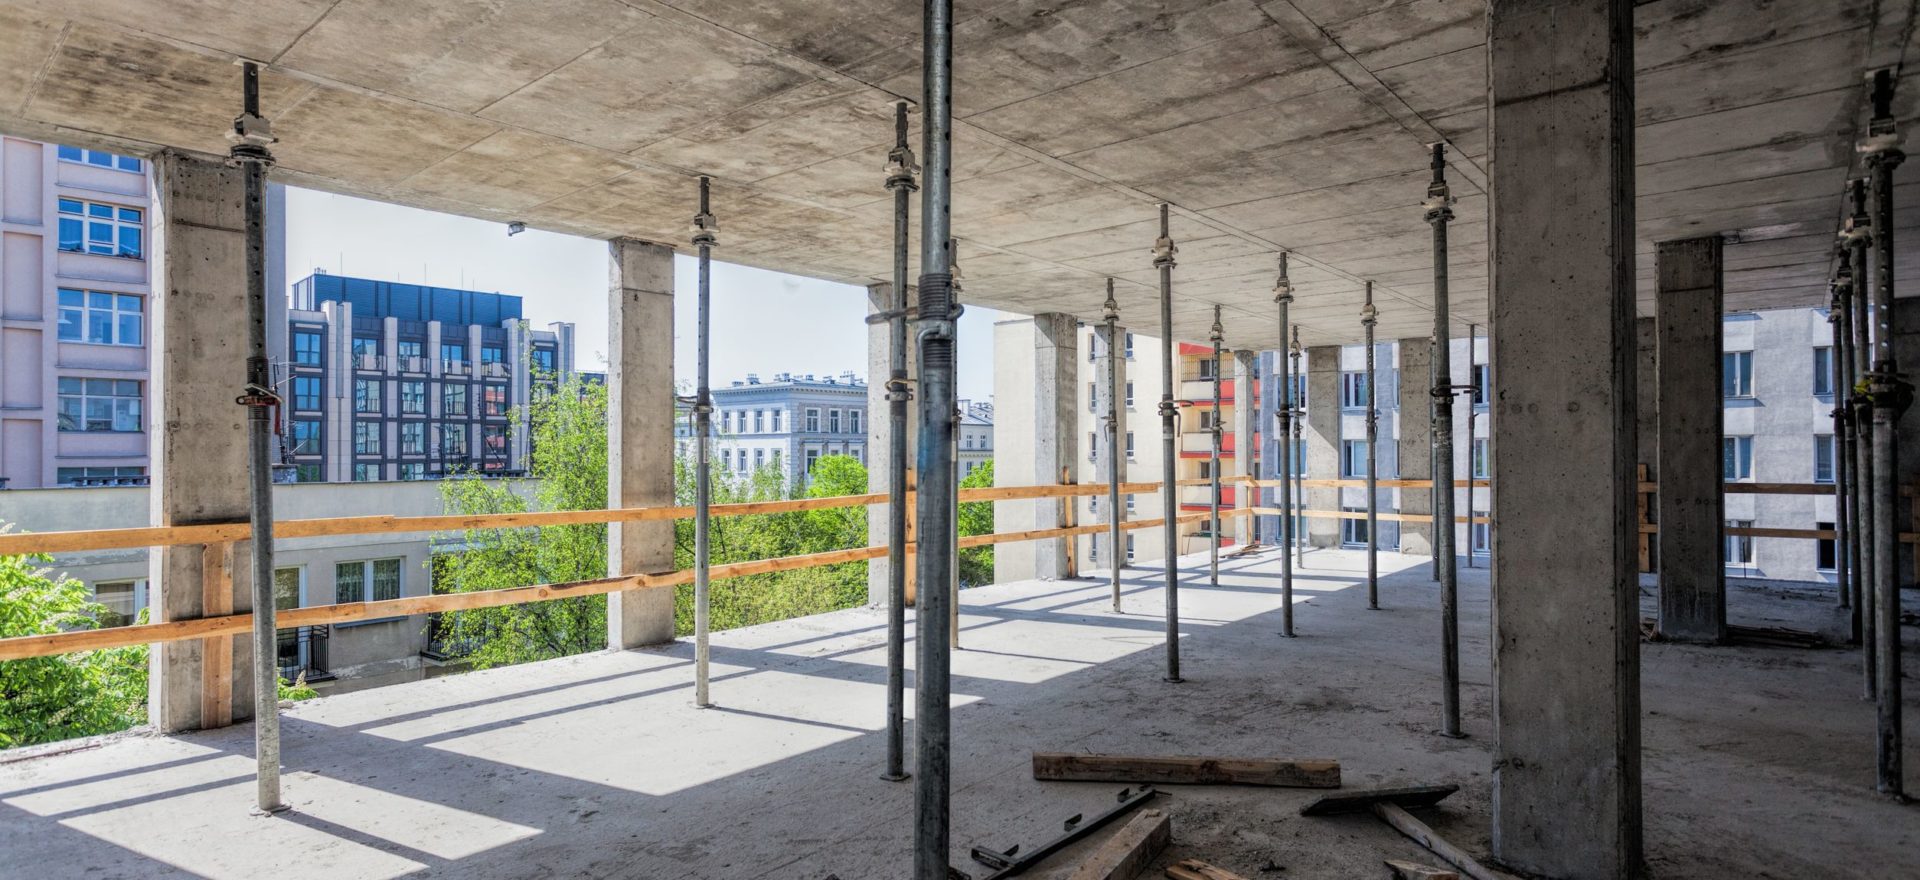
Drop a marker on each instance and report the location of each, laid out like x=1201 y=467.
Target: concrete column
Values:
x=880 y=431
x=199 y=454
x=1693 y=582
x=1416 y=444
x=1566 y=634
x=1246 y=406
x=639 y=435
x=1105 y=451
x=1035 y=434
x=1322 y=437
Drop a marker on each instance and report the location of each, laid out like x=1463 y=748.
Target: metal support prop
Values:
x=933 y=670
x=1163 y=260
x=1890 y=395
x=1842 y=431
x=1368 y=317
x=1473 y=414
x=1433 y=451
x=1849 y=465
x=1856 y=236
x=251 y=137
x=703 y=238
x=1283 y=297
x=1116 y=350
x=1439 y=209
x=900 y=171
x=1299 y=476
x=1213 y=502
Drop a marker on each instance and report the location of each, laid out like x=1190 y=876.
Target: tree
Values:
x=976 y=518
x=46 y=699
x=567 y=466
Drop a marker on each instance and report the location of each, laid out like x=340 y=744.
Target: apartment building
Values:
x=391 y=381
x=789 y=423
x=1195 y=374
x=74 y=307
x=1139 y=448
x=974 y=434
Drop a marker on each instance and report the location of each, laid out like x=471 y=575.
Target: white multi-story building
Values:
x=789 y=423
x=74 y=307
x=974 y=434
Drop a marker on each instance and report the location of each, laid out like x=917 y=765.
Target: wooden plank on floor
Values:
x=1128 y=852
x=1188 y=770
x=1405 y=870
x=1194 y=869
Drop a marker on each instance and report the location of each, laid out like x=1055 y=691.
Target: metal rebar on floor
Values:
x=1216 y=335
x=1115 y=392
x=933 y=667
x=1890 y=395
x=1163 y=260
x=900 y=182
x=1439 y=211
x=251 y=138
x=1283 y=299
x=1368 y=317
x=703 y=238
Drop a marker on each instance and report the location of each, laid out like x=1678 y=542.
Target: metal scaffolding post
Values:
x=1283 y=297
x=1855 y=236
x=1163 y=260
x=1368 y=317
x=251 y=137
x=1216 y=334
x=1845 y=358
x=1473 y=417
x=1115 y=392
x=1439 y=211
x=1433 y=452
x=933 y=670
x=900 y=171
x=703 y=238
x=1843 y=490
x=1299 y=477
x=1890 y=395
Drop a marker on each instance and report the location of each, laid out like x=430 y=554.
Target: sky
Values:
x=763 y=322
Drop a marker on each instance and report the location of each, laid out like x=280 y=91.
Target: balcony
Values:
x=453 y=368
x=303 y=653
x=372 y=362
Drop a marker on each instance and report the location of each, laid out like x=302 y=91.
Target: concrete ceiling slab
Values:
x=1295 y=124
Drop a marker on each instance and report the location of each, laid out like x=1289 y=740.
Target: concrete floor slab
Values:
x=1758 y=761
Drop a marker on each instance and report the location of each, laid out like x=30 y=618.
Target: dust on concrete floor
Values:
x=1758 y=761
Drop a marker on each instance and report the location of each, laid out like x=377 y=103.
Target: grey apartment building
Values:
x=74 y=304
x=391 y=381
x=790 y=423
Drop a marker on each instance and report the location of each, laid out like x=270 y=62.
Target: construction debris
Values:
x=1194 y=869
x=1390 y=804
x=1009 y=862
x=1405 y=870
x=1128 y=852
x=1177 y=770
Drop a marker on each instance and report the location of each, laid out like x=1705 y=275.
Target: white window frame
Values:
x=1482 y=384
x=1824 y=442
x=93 y=158
x=1736 y=375
x=853 y=421
x=1353 y=530
x=89 y=214
x=813 y=420
x=833 y=421
x=1822 y=378
x=1353 y=459
x=1130 y=446
x=1739 y=548
x=114 y=312
x=1129 y=394
x=367 y=436
x=368 y=572
x=1480 y=464
x=1480 y=535
x=366 y=397
x=125 y=412
x=1741 y=458
x=1353 y=390
x=418 y=431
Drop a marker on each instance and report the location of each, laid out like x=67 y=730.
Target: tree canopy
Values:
x=47 y=699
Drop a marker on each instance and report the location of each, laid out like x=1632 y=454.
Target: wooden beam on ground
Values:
x=1194 y=869
x=1405 y=870
x=1405 y=823
x=1179 y=770
x=1128 y=852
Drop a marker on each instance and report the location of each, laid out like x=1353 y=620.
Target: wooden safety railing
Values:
x=1648 y=491
x=218 y=541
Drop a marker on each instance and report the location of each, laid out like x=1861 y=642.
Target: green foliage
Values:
x=47 y=699
x=780 y=595
x=568 y=471
x=568 y=467
x=297 y=690
x=976 y=518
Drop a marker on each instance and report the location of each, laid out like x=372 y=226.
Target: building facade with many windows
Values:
x=74 y=316
x=391 y=381
x=789 y=423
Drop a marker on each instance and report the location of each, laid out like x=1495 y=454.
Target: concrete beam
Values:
x=199 y=454
x=1566 y=629
x=640 y=443
x=1693 y=581
x=1322 y=437
x=1035 y=435
x=1245 y=408
x=1416 y=443
x=880 y=433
